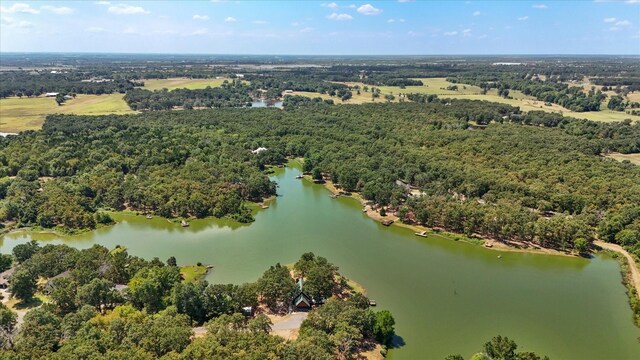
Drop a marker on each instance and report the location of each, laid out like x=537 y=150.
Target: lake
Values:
x=446 y=296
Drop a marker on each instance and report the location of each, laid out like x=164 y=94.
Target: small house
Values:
x=49 y=287
x=301 y=301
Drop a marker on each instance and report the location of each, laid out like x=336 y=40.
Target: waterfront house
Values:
x=301 y=301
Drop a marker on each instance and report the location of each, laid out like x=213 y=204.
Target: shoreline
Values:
x=512 y=246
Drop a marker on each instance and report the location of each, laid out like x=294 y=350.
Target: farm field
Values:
x=633 y=158
x=19 y=114
x=438 y=86
x=181 y=83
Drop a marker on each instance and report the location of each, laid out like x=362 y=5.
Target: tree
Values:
x=383 y=328
x=5 y=262
x=172 y=261
x=276 y=287
x=8 y=321
x=64 y=295
x=23 y=252
x=97 y=293
x=39 y=334
x=581 y=245
x=22 y=284
x=316 y=174
x=501 y=348
x=59 y=99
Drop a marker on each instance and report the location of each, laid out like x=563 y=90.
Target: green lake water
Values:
x=446 y=296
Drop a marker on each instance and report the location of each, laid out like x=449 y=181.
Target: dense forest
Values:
x=535 y=177
x=111 y=305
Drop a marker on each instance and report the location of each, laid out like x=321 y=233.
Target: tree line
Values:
x=154 y=315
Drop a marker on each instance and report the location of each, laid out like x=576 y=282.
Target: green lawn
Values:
x=180 y=83
x=193 y=273
x=19 y=114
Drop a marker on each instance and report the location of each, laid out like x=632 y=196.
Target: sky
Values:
x=401 y=27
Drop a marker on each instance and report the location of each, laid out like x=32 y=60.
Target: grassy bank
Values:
x=181 y=83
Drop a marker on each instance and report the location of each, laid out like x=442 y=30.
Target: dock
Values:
x=422 y=234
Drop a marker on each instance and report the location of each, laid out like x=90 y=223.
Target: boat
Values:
x=149 y=216
x=488 y=245
x=499 y=256
x=299 y=176
x=372 y=303
x=421 y=233
x=184 y=223
x=333 y=196
x=387 y=222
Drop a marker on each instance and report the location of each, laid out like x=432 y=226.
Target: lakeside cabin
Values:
x=301 y=301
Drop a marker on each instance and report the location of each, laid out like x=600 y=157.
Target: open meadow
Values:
x=181 y=83
x=19 y=114
x=438 y=86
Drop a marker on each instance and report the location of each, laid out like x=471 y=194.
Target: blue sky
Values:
x=330 y=27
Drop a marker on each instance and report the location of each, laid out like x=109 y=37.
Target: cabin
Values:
x=5 y=276
x=49 y=287
x=301 y=301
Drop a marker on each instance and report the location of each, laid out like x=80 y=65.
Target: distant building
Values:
x=240 y=76
x=259 y=150
x=51 y=94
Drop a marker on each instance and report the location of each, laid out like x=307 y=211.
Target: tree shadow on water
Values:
x=397 y=342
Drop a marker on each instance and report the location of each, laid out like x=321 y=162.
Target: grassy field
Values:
x=28 y=113
x=181 y=83
x=633 y=158
x=438 y=86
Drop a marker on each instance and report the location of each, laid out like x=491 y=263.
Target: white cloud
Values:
x=260 y=22
x=200 y=17
x=523 y=18
x=413 y=33
x=330 y=5
x=476 y=13
x=202 y=31
x=62 y=10
x=633 y=1
x=395 y=20
x=610 y=20
x=95 y=29
x=19 y=8
x=230 y=19
x=122 y=9
x=9 y=22
x=102 y=3
x=336 y=16
x=368 y=9
x=623 y=23
x=466 y=32
x=539 y=6
x=352 y=6
x=450 y=33
x=405 y=1
x=306 y=30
